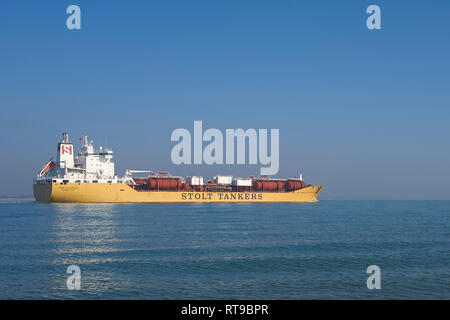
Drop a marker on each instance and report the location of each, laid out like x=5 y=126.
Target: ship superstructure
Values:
x=90 y=177
x=90 y=166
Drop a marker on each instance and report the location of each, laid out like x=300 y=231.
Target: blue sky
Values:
x=364 y=113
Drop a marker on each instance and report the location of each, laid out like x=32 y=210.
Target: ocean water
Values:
x=226 y=251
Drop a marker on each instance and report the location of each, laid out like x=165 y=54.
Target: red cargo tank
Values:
x=280 y=185
x=186 y=186
x=164 y=183
x=140 y=180
x=292 y=185
x=263 y=185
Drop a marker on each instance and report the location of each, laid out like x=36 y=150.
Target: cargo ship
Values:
x=90 y=177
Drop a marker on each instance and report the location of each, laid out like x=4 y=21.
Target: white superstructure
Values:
x=90 y=165
x=95 y=163
x=225 y=180
x=195 y=180
x=240 y=182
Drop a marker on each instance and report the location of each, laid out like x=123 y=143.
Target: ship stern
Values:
x=42 y=191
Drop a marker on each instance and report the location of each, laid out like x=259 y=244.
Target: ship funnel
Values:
x=65 y=138
x=65 y=158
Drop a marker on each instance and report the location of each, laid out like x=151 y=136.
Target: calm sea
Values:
x=226 y=251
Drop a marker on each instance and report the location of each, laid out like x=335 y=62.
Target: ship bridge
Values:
x=90 y=165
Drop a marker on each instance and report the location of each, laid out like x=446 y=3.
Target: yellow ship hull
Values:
x=122 y=193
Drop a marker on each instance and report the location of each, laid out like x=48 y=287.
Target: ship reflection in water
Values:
x=86 y=236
